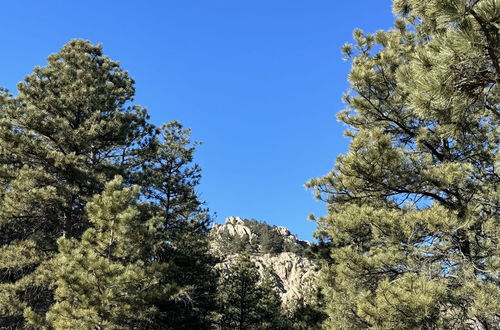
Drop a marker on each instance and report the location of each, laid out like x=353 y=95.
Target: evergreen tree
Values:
x=238 y=295
x=234 y=243
x=193 y=270
x=271 y=241
x=307 y=312
x=412 y=229
x=166 y=171
x=68 y=131
x=265 y=239
x=305 y=316
x=270 y=308
x=107 y=279
x=246 y=301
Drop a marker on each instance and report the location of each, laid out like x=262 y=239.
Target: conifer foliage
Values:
x=412 y=230
x=69 y=131
x=246 y=300
x=107 y=279
x=168 y=178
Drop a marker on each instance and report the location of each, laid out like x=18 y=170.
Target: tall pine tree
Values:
x=169 y=178
x=70 y=130
x=413 y=228
x=67 y=131
x=247 y=300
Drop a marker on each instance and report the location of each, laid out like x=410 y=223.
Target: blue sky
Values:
x=258 y=82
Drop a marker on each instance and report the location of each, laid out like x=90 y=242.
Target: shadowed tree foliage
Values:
x=110 y=278
x=271 y=241
x=412 y=230
x=246 y=300
x=169 y=178
x=66 y=133
x=238 y=295
x=70 y=130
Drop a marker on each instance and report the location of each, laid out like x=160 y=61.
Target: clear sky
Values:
x=259 y=83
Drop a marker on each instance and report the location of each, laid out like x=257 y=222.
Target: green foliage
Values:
x=193 y=269
x=267 y=240
x=271 y=241
x=65 y=134
x=109 y=278
x=271 y=312
x=235 y=244
x=307 y=312
x=169 y=178
x=306 y=316
x=411 y=239
x=70 y=130
x=246 y=301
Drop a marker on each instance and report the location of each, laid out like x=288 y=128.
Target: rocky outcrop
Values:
x=294 y=273
x=287 y=236
x=233 y=226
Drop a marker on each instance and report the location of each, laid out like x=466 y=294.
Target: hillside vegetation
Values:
x=252 y=236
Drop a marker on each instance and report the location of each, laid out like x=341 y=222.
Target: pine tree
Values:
x=270 y=310
x=270 y=240
x=109 y=278
x=238 y=295
x=70 y=130
x=246 y=301
x=307 y=312
x=412 y=229
x=67 y=131
x=169 y=178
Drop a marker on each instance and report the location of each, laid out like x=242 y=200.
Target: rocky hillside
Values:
x=271 y=248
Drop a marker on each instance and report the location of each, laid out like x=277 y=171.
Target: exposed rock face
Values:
x=290 y=237
x=234 y=226
x=294 y=274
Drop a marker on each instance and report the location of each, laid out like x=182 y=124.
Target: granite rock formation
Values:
x=294 y=273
